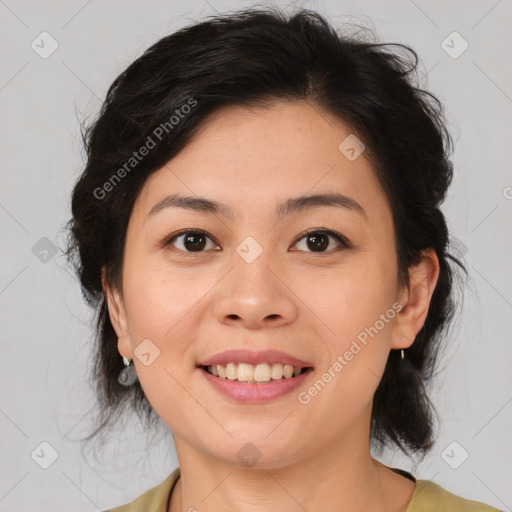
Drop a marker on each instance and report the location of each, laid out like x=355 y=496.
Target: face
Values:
x=254 y=279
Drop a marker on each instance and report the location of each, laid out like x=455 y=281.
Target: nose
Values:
x=255 y=295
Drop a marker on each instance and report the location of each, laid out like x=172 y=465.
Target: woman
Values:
x=259 y=227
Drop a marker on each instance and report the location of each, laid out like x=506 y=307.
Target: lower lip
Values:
x=255 y=393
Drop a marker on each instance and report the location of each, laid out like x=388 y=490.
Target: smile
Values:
x=251 y=391
x=251 y=374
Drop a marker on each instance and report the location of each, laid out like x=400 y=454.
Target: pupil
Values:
x=191 y=241
x=318 y=241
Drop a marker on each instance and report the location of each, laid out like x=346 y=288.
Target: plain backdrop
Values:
x=46 y=328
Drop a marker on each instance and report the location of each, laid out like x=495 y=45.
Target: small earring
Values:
x=128 y=375
x=402 y=352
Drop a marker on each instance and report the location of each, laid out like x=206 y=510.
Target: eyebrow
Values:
x=292 y=205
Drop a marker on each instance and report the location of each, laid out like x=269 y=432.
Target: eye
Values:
x=318 y=240
x=192 y=241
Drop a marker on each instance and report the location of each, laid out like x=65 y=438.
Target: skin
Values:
x=192 y=305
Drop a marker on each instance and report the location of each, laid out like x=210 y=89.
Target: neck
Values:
x=321 y=480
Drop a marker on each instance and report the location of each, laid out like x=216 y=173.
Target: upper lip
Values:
x=249 y=357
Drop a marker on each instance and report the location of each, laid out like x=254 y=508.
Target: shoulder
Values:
x=430 y=497
x=154 y=500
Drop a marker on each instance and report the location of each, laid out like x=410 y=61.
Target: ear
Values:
x=415 y=300
x=117 y=314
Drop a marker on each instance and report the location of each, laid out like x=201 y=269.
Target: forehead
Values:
x=253 y=158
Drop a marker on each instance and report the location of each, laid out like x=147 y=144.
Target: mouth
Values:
x=258 y=388
x=262 y=373
x=254 y=377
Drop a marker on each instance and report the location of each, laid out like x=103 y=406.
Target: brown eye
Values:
x=190 y=241
x=319 y=241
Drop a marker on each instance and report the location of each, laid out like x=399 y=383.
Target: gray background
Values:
x=46 y=328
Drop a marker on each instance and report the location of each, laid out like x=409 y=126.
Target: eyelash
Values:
x=344 y=243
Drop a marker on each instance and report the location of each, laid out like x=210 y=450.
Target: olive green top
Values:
x=427 y=497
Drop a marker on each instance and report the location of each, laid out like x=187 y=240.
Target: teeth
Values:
x=244 y=372
x=276 y=371
x=231 y=373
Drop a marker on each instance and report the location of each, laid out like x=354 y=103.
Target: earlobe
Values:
x=415 y=300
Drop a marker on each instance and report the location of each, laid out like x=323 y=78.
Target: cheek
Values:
x=156 y=300
x=162 y=312
x=351 y=298
x=358 y=309
x=348 y=377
